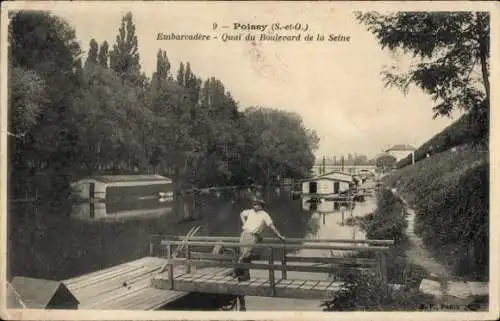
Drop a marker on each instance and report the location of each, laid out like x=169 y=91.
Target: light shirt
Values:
x=255 y=221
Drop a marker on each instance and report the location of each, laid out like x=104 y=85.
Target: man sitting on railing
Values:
x=254 y=220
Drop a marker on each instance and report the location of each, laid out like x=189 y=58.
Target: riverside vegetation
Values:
x=450 y=194
x=71 y=118
x=363 y=291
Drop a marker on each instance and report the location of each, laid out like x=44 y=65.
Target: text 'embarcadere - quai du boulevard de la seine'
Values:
x=256 y=32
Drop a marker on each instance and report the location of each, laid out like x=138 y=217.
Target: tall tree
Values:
x=187 y=74
x=452 y=48
x=278 y=145
x=93 y=51
x=124 y=58
x=180 y=74
x=162 y=65
x=110 y=118
x=192 y=85
x=47 y=45
x=103 y=54
x=26 y=99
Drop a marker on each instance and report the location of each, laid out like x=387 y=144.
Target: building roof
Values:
x=332 y=176
x=14 y=300
x=130 y=178
x=401 y=147
x=327 y=179
x=336 y=174
x=35 y=293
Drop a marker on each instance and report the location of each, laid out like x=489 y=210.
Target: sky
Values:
x=336 y=87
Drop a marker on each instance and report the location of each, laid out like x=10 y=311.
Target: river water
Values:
x=57 y=244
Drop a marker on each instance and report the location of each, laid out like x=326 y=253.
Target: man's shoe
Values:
x=242 y=278
x=232 y=274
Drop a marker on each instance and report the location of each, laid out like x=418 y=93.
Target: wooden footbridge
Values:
x=277 y=260
x=180 y=265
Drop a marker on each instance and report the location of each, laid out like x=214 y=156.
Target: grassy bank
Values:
x=388 y=221
x=364 y=291
x=450 y=194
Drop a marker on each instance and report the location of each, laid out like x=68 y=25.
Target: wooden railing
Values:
x=284 y=262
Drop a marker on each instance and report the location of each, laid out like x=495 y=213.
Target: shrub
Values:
x=389 y=219
x=363 y=291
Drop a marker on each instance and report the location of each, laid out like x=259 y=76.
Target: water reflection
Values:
x=328 y=221
x=59 y=243
x=107 y=211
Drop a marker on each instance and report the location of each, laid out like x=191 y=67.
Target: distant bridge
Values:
x=317 y=169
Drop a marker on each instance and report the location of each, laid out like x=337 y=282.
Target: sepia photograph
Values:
x=248 y=160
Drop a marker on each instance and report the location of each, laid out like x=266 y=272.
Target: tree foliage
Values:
x=46 y=46
x=452 y=49
x=279 y=144
x=104 y=54
x=124 y=58
x=93 y=52
x=386 y=161
x=98 y=118
x=27 y=97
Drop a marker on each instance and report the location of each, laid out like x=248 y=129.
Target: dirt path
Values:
x=418 y=254
x=449 y=288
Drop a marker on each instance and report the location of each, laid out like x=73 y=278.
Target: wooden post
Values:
x=283 y=265
x=151 y=248
x=382 y=266
x=170 y=266
x=271 y=271
x=188 y=258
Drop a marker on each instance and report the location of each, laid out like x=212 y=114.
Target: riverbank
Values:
x=401 y=292
x=416 y=281
x=446 y=289
x=449 y=193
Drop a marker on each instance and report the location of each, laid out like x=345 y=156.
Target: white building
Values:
x=400 y=151
x=327 y=184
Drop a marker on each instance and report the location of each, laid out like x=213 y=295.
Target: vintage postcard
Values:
x=253 y=160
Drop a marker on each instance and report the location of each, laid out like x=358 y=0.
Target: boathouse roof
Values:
x=331 y=176
x=129 y=178
x=39 y=294
x=319 y=178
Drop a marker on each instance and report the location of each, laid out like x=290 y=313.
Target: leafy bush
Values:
x=363 y=291
x=389 y=219
x=389 y=222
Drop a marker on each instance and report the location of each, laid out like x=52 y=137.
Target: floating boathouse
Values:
x=327 y=185
x=116 y=188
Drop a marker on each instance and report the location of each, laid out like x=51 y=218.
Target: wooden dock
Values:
x=123 y=287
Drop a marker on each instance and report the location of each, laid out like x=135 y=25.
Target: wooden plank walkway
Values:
x=139 y=285
x=124 y=287
x=208 y=282
x=218 y=282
